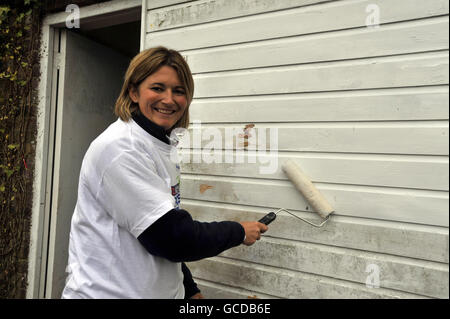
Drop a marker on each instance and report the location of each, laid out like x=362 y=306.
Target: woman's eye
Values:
x=157 y=89
x=180 y=92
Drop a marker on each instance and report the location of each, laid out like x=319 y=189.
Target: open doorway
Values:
x=88 y=65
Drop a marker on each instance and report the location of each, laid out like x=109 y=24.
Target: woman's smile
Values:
x=164 y=111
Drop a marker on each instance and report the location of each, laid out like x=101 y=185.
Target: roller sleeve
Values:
x=315 y=199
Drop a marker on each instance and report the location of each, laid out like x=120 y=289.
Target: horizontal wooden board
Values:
x=385 y=237
x=214 y=290
x=390 y=171
x=383 y=72
x=426 y=138
x=156 y=4
x=399 y=38
x=207 y=11
x=411 y=206
x=404 y=274
x=285 y=283
x=426 y=103
x=336 y=15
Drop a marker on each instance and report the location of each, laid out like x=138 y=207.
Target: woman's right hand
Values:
x=253 y=231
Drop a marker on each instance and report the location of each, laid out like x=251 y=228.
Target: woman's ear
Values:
x=133 y=93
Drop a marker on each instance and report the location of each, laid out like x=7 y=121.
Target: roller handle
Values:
x=270 y=217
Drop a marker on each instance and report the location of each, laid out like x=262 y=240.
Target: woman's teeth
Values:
x=164 y=111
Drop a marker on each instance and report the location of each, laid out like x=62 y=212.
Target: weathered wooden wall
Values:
x=364 y=112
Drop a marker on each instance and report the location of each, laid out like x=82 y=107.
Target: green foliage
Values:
x=19 y=43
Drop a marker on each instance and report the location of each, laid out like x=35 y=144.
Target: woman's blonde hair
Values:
x=146 y=63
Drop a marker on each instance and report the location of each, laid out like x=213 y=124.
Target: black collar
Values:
x=150 y=127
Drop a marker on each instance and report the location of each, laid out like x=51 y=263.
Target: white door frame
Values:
x=91 y=17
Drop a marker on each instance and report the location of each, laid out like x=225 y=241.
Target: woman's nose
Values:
x=168 y=97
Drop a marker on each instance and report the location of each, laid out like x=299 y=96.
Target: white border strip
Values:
x=59 y=18
x=143 y=24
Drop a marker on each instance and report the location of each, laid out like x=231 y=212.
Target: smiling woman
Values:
x=129 y=238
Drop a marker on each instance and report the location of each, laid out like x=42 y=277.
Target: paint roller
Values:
x=309 y=192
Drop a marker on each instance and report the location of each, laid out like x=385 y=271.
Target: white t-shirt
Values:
x=127 y=181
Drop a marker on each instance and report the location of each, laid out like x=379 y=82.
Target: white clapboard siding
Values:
x=207 y=11
x=399 y=273
x=329 y=16
x=407 y=205
x=396 y=71
x=285 y=283
x=427 y=138
x=398 y=38
x=220 y=291
x=393 y=238
x=363 y=110
x=402 y=171
x=425 y=103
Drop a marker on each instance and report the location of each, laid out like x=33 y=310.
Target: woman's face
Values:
x=161 y=97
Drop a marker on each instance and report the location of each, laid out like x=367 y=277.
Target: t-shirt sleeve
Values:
x=132 y=192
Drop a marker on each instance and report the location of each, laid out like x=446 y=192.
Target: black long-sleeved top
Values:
x=179 y=238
